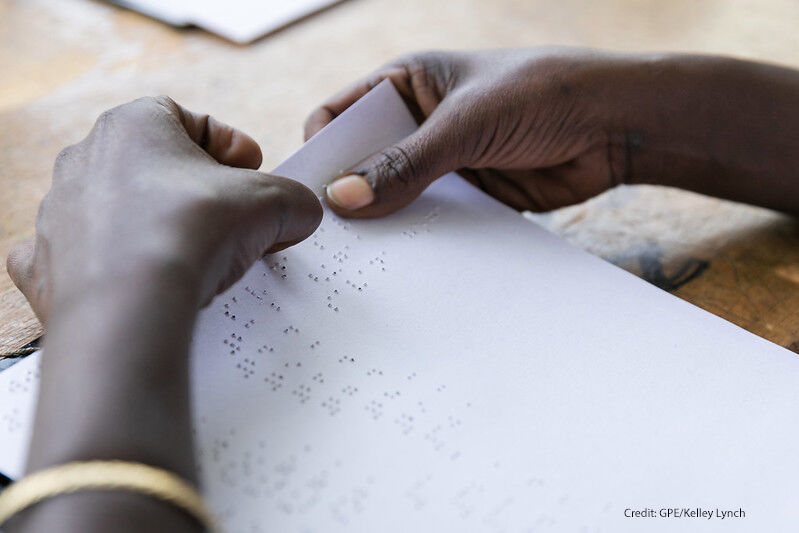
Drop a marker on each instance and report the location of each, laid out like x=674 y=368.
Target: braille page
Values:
x=454 y=367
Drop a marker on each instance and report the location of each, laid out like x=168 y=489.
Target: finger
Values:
x=288 y=211
x=228 y=145
x=276 y=213
x=338 y=103
x=283 y=245
x=419 y=78
x=19 y=265
x=394 y=177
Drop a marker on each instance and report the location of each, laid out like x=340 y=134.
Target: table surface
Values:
x=64 y=62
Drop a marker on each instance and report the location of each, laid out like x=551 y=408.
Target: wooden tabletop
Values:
x=62 y=63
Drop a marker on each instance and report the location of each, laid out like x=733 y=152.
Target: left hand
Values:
x=157 y=188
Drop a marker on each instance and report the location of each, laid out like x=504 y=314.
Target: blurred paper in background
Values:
x=240 y=21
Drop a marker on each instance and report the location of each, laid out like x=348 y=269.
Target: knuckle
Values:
x=148 y=103
x=138 y=113
x=424 y=58
x=163 y=105
x=66 y=155
x=420 y=65
x=162 y=100
x=394 y=168
x=430 y=69
x=66 y=158
x=107 y=116
x=106 y=121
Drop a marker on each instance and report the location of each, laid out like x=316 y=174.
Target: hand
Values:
x=157 y=187
x=148 y=217
x=521 y=124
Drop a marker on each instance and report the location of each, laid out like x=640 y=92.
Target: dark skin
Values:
x=159 y=209
x=151 y=215
x=544 y=128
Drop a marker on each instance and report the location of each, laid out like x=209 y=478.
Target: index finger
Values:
x=339 y=102
x=226 y=144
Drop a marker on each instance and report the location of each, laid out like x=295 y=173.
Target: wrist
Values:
x=137 y=315
x=677 y=119
x=616 y=98
x=634 y=99
x=115 y=374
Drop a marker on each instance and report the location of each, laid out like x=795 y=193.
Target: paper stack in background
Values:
x=240 y=21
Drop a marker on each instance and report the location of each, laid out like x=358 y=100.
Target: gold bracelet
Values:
x=104 y=475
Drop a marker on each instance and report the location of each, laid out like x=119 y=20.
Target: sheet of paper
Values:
x=455 y=367
x=240 y=21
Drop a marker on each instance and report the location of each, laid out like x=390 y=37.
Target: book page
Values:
x=455 y=367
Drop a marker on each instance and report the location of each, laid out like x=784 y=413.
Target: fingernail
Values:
x=351 y=192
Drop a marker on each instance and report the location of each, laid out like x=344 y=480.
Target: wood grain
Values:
x=64 y=62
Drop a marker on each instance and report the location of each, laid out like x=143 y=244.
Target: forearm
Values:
x=115 y=386
x=718 y=126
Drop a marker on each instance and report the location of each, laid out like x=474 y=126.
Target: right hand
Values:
x=523 y=125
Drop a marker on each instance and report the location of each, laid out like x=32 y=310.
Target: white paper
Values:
x=240 y=21
x=454 y=367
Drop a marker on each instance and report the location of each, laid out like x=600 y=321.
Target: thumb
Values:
x=392 y=178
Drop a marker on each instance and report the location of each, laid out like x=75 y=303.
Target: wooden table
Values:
x=62 y=63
